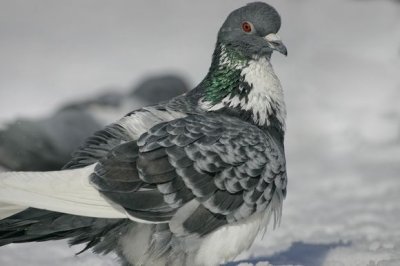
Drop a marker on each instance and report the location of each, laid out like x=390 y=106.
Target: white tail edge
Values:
x=67 y=191
x=7 y=210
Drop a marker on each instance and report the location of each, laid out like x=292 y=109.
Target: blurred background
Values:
x=342 y=89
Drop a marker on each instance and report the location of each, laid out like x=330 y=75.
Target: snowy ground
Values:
x=342 y=82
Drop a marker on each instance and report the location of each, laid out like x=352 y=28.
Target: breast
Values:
x=266 y=95
x=264 y=99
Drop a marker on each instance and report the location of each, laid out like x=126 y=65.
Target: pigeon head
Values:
x=241 y=79
x=251 y=31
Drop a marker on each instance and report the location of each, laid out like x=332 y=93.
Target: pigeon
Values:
x=46 y=144
x=191 y=181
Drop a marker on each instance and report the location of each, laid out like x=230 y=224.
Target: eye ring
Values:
x=247 y=26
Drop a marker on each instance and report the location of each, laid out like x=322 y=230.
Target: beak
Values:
x=275 y=43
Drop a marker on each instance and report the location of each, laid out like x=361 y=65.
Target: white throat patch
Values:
x=265 y=97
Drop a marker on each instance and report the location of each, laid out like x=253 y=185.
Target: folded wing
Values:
x=196 y=173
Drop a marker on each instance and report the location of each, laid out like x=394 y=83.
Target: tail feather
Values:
x=42 y=225
x=67 y=191
x=7 y=210
x=31 y=225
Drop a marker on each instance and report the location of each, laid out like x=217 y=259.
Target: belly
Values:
x=230 y=240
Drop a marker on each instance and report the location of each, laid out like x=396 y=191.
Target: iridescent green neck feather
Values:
x=224 y=76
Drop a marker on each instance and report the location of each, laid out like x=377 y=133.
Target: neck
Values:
x=247 y=88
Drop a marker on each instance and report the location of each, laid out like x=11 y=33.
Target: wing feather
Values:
x=197 y=173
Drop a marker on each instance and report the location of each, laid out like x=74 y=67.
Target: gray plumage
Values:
x=198 y=176
x=47 y=144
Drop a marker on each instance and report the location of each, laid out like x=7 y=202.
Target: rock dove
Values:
x=47 y=144
x=188 y=182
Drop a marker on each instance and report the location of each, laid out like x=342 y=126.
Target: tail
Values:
x=67 y=191
x=33 y=225
x=62 y=202
x=41 y=206
x=7 y=210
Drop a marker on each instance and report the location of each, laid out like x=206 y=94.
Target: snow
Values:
x=342 y=88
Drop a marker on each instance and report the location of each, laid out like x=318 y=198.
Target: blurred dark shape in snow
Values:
x=46 y=144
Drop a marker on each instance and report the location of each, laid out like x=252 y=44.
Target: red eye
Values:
x=247 y=27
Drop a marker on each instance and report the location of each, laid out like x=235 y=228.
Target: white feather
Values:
x=6 y=210
x=265 y=97
x=228 y=241
x=70 y=191
x=139 y=122
x=67 y=191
